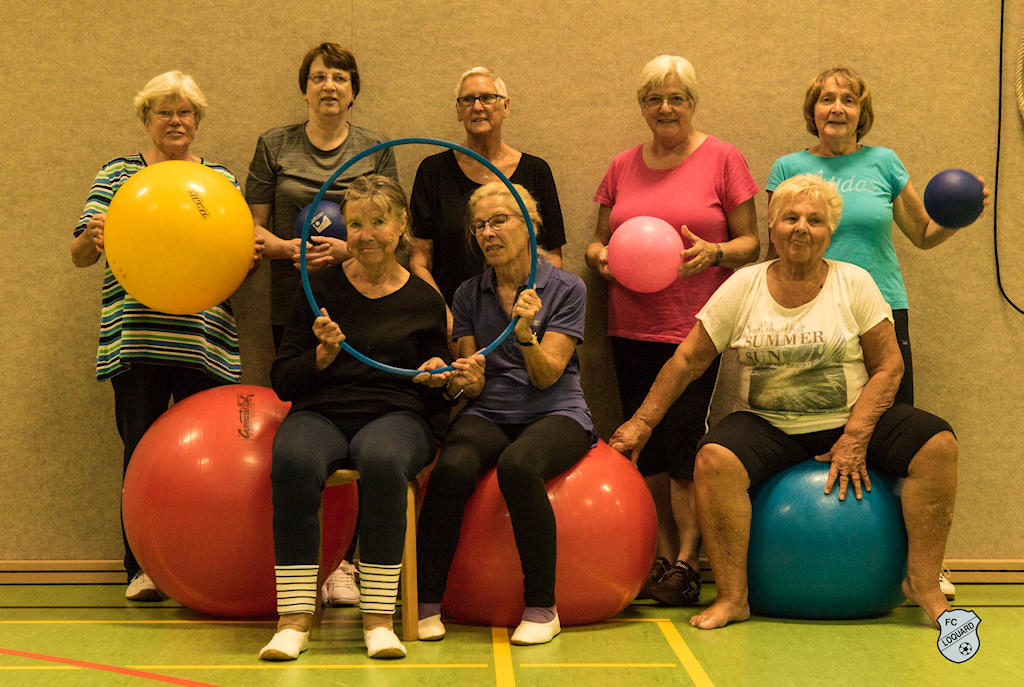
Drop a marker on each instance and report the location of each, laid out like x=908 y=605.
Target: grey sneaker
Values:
x=340 y=588
x=141 y=588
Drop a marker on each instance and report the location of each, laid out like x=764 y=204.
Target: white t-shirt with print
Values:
x=802 y=368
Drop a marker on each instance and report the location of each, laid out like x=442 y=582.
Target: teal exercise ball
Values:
x=814 y=556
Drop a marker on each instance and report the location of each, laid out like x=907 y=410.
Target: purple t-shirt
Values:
x=508 y=396
x=698 y=192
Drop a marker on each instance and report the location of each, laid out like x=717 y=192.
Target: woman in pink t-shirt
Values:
x=702 y=185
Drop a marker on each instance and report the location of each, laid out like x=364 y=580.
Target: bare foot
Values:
x=720 y=613
x=930 y=598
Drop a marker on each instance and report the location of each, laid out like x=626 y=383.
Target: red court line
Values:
x=109 y=669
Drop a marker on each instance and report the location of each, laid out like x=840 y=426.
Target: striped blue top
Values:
x=129 y=331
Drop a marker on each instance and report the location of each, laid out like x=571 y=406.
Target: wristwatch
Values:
x=718 y=257
x=532 y=342
x=451 y=397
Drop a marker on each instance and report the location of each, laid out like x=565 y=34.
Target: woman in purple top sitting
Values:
x=526 y=414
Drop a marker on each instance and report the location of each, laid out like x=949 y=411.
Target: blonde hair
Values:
x=386 y=194
x=810 y=186
x=169 y=84
x=656 y=72
x=499 y=85
x=860 y=89
x=498 y=189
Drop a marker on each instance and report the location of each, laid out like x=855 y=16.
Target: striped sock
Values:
x=378 y=587
x=296 y=588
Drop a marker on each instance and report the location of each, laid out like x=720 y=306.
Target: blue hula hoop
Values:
x=406 y=372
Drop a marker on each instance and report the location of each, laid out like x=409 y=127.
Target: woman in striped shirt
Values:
x=151 y=357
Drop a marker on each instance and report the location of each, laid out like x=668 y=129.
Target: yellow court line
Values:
x=504 y=674
x=598 y=665
x=685 y=656
x=313 y=666
x=41 y=668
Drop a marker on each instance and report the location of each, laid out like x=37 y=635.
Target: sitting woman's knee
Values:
x=288 y=465
x=941 y=450
x=515 y=468
x=454 y=475
x=714 y=461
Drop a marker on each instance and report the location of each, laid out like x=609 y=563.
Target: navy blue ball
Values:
x=954 y=198
x=327 y=221
x=814 y=556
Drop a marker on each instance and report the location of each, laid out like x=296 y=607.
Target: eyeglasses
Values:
x=496 y=222
x=167 y=115
x=320 y=78
x=655 y=101
x=485 y=98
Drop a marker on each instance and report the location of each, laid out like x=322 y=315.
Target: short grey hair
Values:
x=656 y=72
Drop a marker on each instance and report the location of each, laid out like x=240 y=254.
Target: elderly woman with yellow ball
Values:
x=149 y=356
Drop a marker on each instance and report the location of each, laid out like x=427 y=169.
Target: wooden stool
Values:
x=410 y=603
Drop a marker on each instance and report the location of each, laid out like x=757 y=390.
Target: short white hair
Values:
x=812 y=187
x=499 y=85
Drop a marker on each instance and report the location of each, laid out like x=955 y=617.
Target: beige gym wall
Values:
x=70 y=70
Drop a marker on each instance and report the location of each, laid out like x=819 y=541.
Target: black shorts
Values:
x=673 y=443
x=766 y=450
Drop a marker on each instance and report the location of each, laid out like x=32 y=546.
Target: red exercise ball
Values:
x=607 y=533
x=197 y=502
x=644 y=254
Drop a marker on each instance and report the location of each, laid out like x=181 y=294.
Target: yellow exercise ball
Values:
x=179 y=237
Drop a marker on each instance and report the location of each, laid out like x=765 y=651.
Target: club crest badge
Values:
x=958 y=635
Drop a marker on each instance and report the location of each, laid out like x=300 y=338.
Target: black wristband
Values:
x=718 y=258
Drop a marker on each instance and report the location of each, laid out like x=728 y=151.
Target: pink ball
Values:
x=644 y=254
x=197 y=502
x=607 y=533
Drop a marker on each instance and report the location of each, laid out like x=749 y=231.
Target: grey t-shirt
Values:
x=287 y=171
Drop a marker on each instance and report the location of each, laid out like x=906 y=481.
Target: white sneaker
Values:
x=285 y=645
x=340 y=588
x=141 y=588
x=431 y=629
x=947 y=587
x=529 y=632
x=382 y=642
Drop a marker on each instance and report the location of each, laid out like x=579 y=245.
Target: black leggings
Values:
x=905 y=394
x=672 y=446
x=388 y=452
x=526 y=456
x=141 y=395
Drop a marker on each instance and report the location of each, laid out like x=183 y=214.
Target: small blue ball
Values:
x=954 y=198
x=327 y=221
x=814 y=556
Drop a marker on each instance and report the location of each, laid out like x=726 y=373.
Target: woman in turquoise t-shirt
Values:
x=876 y=192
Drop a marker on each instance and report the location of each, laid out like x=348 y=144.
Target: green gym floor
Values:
x=56 y=635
